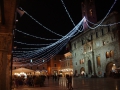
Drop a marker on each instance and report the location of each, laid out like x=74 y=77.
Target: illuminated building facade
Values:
x=54 y=65
x=66 y=65
x=97 y=51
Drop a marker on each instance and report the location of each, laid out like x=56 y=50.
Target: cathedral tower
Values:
x=88 y=10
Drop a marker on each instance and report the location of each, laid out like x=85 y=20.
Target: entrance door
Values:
x=89 y=67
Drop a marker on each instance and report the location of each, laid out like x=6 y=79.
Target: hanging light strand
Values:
x=41 y=24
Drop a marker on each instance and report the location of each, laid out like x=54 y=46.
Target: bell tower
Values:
x=88 y=11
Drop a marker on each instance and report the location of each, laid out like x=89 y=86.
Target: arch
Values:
x=109 y=68
x=89 y=67
x=82 y=70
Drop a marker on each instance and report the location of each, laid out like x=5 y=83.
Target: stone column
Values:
x=5 y=60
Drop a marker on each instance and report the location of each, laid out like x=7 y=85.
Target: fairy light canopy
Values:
x=47 y=28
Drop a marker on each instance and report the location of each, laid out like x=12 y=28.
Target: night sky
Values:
x=52 y=14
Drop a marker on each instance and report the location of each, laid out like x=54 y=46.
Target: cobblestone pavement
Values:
x=80 y=84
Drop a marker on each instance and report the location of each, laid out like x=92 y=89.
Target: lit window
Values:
x=82 y=61
x=103 y=42
x=98 y=61
x=91 y=12
x=111 y=53
x=107 y=54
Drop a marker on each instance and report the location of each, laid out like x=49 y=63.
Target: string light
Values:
x=41 y=24
x=30 y=44
x=33 y=35
x=103 y=18
x=111 y=24
x=67 y=12
x=61 y=42
x=68 y=36
x=48 y=56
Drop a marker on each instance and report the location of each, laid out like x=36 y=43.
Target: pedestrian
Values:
x=70 y=83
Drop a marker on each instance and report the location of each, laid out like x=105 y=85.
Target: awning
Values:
x=25 y=70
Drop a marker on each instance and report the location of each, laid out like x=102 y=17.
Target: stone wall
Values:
x=6 y=36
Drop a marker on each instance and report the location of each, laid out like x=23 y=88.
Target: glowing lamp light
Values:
x=31 y=60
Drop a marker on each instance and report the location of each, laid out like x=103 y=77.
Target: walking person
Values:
x=70 y=83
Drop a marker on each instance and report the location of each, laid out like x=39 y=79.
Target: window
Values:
x=96 y=34
x=74 y=45
x=91 y=12
x=91 y=37
x=82 y=42
x=107 y=54
x=37 y=67
x=75 y=54
x=98 y=61
x=76 y=63
x=102 y=31
x=54 y=65
x=108 y=28
x=103 y=43
x=43 y=67
x=111 y=53
x=82 y=61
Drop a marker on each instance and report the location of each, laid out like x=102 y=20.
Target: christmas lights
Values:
x=33 y=35
x=41 y=24
x=67 y=12
x=103 y=18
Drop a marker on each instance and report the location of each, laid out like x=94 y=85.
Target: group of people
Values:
x=20 y=81
x=30 y=81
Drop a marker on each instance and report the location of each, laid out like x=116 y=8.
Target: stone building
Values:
x=66 y=67
x=97 y=51
x=53 y=65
